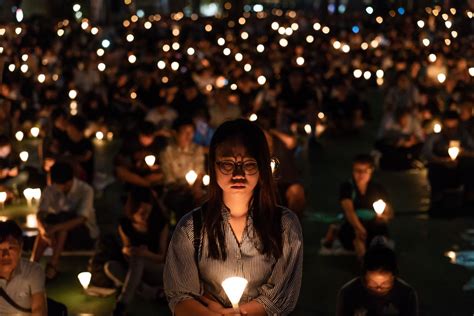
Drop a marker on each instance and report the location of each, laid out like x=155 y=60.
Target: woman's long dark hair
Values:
x=266 y=214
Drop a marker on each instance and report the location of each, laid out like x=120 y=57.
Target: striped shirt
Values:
x=273 y=283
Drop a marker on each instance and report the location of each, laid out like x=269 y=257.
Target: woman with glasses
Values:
x=378 y=291
x=240 y=231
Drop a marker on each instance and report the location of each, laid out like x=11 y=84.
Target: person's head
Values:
x=59 y=118
x=11 y=243
x=76 y=127
x=403 y=81
x=402 y=117
x=146 y=133
x=362 y=168
x=62 y=176
x=239 y=166
x=138 y=206
x=184 y=128
x=450 y=121
x=379 y=269
x=5 y=146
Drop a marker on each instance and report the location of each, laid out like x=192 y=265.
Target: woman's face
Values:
x=142 y=214
x=236 y=172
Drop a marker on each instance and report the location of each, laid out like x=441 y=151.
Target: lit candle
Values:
x=24 y=156
x=234 y=288
x=379 y=207
x=19 y=136
x=110 y=136
x=206 y=180
x=31 y=221
x=308 y=129
x=84 y=279
x=452 y=256
x=437 y=128
x=34 y=131
x=36 y=194
x=3 y=218
x=191 y=177
x=453 y=152
x=253 y=117
x=28 y=193
x=99 y=135
x=3 y=198
x=150 y=160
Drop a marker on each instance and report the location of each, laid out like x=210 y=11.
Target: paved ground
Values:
x=420 y=242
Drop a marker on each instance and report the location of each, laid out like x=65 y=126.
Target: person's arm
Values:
x=279 y=295
x=38 y=304
x=127 y=176
x=67 y=225
x=351 y=216
x=289 y=140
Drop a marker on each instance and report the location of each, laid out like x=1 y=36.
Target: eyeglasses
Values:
x=228 y=167
x=385 y=286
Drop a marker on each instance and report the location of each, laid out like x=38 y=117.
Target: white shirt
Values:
x=80 y=200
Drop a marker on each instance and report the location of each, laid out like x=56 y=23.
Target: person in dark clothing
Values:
x=189 y=102
x=444 y=172
x=378 y=291
x=131 y=166
x=144 y=234
x=79 y=149
x=10 y=174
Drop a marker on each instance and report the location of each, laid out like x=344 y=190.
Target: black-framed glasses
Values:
x=228 y=167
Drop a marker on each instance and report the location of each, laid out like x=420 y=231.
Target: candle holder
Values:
x=379 y=207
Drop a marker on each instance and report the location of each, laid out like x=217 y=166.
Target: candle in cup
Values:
x=453 y=152
x=205 y=180
x=234 y=288
x=191 y=177
x=379 y=207
x=19 y=136
x=437 y=128
x=36 y=194
x=84 y=279
x=150 y=160
x=31 y=221
x=28 y=193
x=24 y=156
x=34 y=131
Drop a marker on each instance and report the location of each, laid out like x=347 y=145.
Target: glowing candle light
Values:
x=364 y=46
x=3 y=198
x=420 y=23
x=72 y=94
x=221 y=41
x=247 y=67
x=34 y=131
x=161 y=64
x=31 y=221
x=283 y=42
x=94 y=30
x=175 y=46
x=150 y=160
x=379 y=73
x=316 y=26
x=336 y=45
x=19 y=136
x=191 y=177
x=174 y=65
x=261 y=80
x=147 y=25
x=84 y=279
x=36 y=194
x=367 y=75
x=452 y=256
x=326 y=30
x=260 y=48
x=239 y=57
x=310 y=39
x=130 y=38
x=24 y=68
x=471 y=71
x=76 y=7
x=441 y=77
x=24 y=156
x=206 y=180
x=41 y=78
x=244 y=35
x=346 y=48
x=105 y=43
x=275 y=26
x=99 y=135
x=379 y=207
x=432 y=58
x=300 y=61
x=190 y=51
x=426 y=42
x=253 y=117
x=110 y=136
x=234 y=287
x=437 y=128
x=308 y=129
x=28 y=193
x=3 y=218
x=453 y=152
x=132 y=59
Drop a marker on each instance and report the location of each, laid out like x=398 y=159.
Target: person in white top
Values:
x=65 y=205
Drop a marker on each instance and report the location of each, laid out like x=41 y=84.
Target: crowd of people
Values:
x=165 y=85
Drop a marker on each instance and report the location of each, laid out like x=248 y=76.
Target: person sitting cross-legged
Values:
x=65 y=207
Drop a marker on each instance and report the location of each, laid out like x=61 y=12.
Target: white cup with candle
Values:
x=234 y=287
x=34 y=131
x=31 y=221
x=206 y=180
x=150 y=160
x=3 y=198
x=28 y=193
x=191 y=177
x=24 y=156
x=379 y=207
x=84 y=279
x=36 y=194
x=437 y=128
x=454 y=149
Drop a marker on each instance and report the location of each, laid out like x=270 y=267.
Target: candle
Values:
x=99 y=135
x=234 y=288
x=19 y=136
x=452 y=256
x=253 y=117
x=453 y=152
x=31 y=221
x=308 y=129
x=24 y=156
x=84 y=279
x=3 y=218
x=437 y=128
x=28 y=193
x=150 y=160
x=205 y=180
x=34 y=131
x=191 y=177
x=36 y=194
x=3 y=198
x=379 y=207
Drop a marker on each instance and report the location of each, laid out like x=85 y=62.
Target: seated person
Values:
x=378 y=291
x=400 y=140
x=57 y=138
x=66 y=207
x=20 y=280
x=130 y=163
x=467 y=118
x=10 y=175
x=144 y=234
x=177 y=160
x=443 y=172
x=79 y=149
x=162 y=116
x=357 y=196
x=288 y=178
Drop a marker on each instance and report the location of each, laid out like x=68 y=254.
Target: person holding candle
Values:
x=66 y=208
x=10 y=174
x=177 y=160
x=357 y=196
x=444 y=172
x=379 y=290
x=240 y=231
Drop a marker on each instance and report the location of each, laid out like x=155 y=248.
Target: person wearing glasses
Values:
x=239 y=231
x=378 y=291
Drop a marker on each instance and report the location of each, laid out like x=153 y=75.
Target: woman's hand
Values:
x=217 y=307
